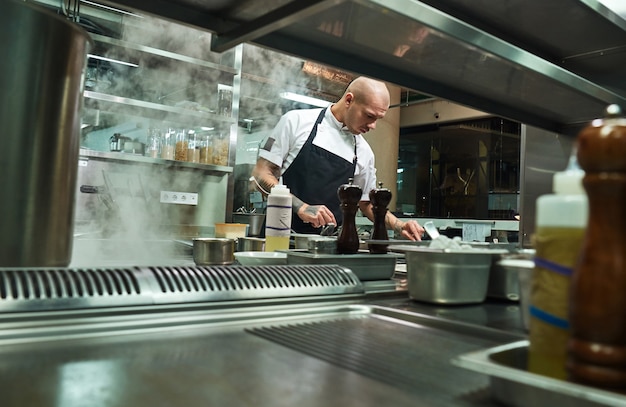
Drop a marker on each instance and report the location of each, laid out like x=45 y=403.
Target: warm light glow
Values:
x=304 y=99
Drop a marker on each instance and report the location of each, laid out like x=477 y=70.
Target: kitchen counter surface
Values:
x=376 y=349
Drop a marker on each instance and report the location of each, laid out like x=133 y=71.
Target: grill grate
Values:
x=377 y=348
x=66 y=283
x=227 y=278
x=40 y=288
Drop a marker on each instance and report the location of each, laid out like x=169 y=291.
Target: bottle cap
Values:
x=280 y=189
x=569 y=181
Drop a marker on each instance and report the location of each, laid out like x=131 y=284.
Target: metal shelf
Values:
x=135 y=158
x=152 y=110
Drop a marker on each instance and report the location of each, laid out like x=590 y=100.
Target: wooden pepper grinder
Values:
x=380 y=198
x=597 y=344
x=349 y=197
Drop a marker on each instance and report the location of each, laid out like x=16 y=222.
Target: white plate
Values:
x=261 y=258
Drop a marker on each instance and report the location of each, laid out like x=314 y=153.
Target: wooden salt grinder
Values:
x=597 y=345
x=349 y=197
x=380 y=198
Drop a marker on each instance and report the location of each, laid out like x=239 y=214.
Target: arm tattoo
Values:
x=296 y=203
x=313 y=210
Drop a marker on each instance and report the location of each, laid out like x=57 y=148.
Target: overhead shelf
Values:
x=136 y=158
x=482 y=60
x=193 y=118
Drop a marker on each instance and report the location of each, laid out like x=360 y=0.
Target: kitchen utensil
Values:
x=41 y=91
x=431 y=229
x=213 y=251
x=328 y=230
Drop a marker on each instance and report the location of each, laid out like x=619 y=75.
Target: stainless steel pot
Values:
x=250 y=244
x=255 y=220
x=213 y=251
x=41 y=86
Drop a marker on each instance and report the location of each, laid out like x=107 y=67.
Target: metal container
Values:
x=321 y=244
x=301 y=240
x=256 y=222
x=250 y=244
x=504 y=277
x=448 y=277
x=213 y=251
x=41 y=85
x=513 y=385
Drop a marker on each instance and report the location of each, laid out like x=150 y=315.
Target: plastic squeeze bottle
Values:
x=278 y=219
x=561 y=220
x=597 y=346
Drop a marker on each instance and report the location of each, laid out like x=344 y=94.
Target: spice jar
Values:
x=180 y=153
x=206 y=149
x=193 y=147
x=153 y=145
x=220 y=149
x=168 y=144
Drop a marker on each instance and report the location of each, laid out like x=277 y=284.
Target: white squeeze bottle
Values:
x=278 y=219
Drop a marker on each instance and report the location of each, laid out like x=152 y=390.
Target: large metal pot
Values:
x=41 y=85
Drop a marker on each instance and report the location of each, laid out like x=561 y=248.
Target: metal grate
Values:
x=386 y=351
x=66 y=283
x=40 y=288
x=229 y=278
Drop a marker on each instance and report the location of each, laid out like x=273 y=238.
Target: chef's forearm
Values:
x=393 y=223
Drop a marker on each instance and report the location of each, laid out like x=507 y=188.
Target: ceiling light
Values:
x=304 y=99
x=112 y=60
x=91 y=3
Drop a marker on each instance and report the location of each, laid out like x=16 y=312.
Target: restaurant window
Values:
x=468 y=169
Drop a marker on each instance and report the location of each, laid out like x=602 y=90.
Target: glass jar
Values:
x=180 y=153
x=220 y=149
x=206 y=149
x=224 y=99
x=168 y=144
x=153 y=144
x=193 y=147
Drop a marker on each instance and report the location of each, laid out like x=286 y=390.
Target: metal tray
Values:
x=365 y=266
x=513 y=385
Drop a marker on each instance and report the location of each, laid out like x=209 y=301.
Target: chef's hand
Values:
x=316 y=215
x=411 y=230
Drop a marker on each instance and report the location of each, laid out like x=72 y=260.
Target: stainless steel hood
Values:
x=554 y=65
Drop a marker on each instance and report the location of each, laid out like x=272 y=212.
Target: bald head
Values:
x=369 y=91
x=364 y=102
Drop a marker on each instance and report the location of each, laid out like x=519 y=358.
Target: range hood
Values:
x=555 y=65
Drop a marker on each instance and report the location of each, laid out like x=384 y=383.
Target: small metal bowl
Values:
x=213 y=251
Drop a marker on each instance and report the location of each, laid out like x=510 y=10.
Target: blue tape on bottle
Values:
x=557 y=268
x=548 y=318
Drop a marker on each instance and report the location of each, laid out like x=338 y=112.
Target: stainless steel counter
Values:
x=376 y=349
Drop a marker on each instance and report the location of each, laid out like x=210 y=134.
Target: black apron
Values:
x=314 y=177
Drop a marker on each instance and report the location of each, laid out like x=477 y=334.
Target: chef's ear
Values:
x=349 y=98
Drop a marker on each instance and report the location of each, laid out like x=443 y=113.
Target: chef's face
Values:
x=361 y=115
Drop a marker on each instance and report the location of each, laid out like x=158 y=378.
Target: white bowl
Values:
x=261 y=258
